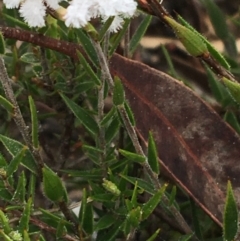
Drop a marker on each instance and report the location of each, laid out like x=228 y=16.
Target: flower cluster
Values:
x=78 y=13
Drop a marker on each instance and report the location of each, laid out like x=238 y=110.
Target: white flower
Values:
x=11 y=3
x=33 y=12
x=78 y=13
x=53 y=3
x=116 y=24
x=116 y=7
x=81 y=11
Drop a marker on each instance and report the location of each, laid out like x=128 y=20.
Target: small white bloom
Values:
x=78 y=13
x=11 y=3
x=53 y=3
x=127 y=8
x=33 y=12
x=116 y=24
x=108 y=8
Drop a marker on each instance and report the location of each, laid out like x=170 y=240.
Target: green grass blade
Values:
x=137 y=36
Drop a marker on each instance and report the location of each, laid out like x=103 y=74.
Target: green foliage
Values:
x=118 y=92
x=85 y=145
x=53 y=186
x=230 y=221
x=152 y=154
x=191 y=41
x=136 y=38
x=2 y=44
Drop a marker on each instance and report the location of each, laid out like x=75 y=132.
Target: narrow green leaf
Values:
x=5 y=195
x=112 y=234
x=51 y=181
x=6 y=104
x=191 y=41
x=109 y=116
x=5 y=222
x=20 y=192
x=233 y=88
x=152 y=154
x=231 y=118
x=14 y=147
x=2 y=44
x=172 y=196
x=134 y=195
x=13 y=165
x=13 y=21
x=91 y=30
x=92 y=149
x=146 y=186
x=119 y=37
x=3 y=162
x=105 y=222
x=86 y=214
x=186 y=237
x=230 y=217
x=132 y=156
x=88 y=46
x=118 y=92
x=104 y=197
x=196 y=220
x=29 y=58
x=105 y=28
x=84 y=86
x=82 y=115
x=26 y=236
x=218 y=56
x=130 y=113
x=5 y=236
x=32 y=186
x=154 y=236
x=216 y=86
x=61 y=229
x=34 y=122
x=170 y=63
x=55 y=218
x=89 y=69
x=41 y=238
x=24 y=220
x=112 y=130
x=138 y=34
x=217 y=18
x=148 y=207
x=94 y=174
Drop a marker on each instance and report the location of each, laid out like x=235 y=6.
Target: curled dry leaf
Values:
x=196 y=147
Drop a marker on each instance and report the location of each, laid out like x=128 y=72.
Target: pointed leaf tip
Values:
x=191 y=41
x=230 y=218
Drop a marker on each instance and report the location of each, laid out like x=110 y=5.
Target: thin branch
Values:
x=103 y=64
x=17 y=115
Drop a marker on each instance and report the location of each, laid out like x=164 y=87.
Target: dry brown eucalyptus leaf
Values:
x=196 y=147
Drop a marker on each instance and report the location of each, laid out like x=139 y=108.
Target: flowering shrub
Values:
x=85 y=130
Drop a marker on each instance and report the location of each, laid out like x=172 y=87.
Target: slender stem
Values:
x=68 y=215
x=104 y=64
x=101 y=134
x=17 y=115
x=133 y=135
